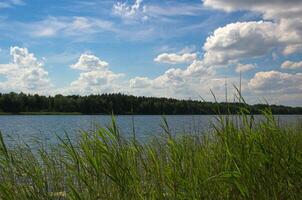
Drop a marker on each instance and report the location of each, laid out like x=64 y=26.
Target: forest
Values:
x=121 y=104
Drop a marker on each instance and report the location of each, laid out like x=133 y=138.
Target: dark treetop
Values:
x=125 y=104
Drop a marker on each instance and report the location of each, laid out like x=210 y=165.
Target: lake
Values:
x=45 y=127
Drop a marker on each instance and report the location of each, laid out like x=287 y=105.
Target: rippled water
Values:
x=46 y=127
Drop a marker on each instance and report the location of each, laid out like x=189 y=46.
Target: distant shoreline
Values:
x=103 y=114
x=41 y=113
x=121 y=104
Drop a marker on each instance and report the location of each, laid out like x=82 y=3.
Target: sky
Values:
x=165 y=48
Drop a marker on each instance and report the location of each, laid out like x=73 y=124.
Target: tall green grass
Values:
x=239 y=159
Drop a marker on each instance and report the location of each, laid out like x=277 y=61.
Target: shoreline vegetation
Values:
x=103 y=114
x=239 y=159
x=42 y=113
x=120 y=104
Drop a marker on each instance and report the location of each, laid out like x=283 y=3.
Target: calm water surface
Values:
x=46 y=127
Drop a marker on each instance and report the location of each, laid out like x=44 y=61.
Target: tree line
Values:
x=122 y=104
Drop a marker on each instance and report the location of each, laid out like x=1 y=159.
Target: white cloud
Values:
x=175 y=58
x=25 y=73
x=11 y=3
x=270 y=8
x=127 y=12
x=158 y=13
x=175 y=82
x=276 y=87
x=244 y=67
x=140 y=82
x=46 y=32
x=277 y=83
x=174 y=9
x=89 y=62
x=290 y=33
x=291 y=49
x=247 y=40
x=49 y=27
x=240 y=40
x=285 y=17
x=194 y=80
x=69 y=26
x=291 y=65
x=95 y=82
x=95 y=79
x=75 y=29
x=188 y=49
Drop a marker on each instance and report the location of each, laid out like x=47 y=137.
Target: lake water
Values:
x=45 y=127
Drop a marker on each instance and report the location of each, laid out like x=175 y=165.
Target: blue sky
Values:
x=171 y=48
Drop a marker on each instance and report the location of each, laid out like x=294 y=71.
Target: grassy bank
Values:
x=246 y=161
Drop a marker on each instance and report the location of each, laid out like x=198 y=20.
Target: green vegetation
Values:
x=120 y=104
x=240 y=159
x=41 y=113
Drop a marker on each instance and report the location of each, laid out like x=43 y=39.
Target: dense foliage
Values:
x=124 y=104
x=250 y=161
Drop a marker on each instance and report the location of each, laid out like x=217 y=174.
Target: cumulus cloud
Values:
x=178 y=77
x=285 y=21
x=276 y=83
x=291 y=49
x=96 y=78
x=291 y=34
x=24 y=73
x=176 y=82
x=280 y=33
x=127 y=12
x=244 y=67
x=140 y=82
x=240 y=40
x=291 y=65
x=173 y=58
x=89 y=62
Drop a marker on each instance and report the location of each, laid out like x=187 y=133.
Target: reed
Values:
x=239 y=159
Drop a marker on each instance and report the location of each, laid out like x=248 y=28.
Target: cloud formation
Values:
x=291 y=65
x=237 y=41
x=130 y=12
x=25 y=73
x=249 y=42
x=68 y=26
x=173 y=9
x=275 y=82
x=176 y=82
x=140 y=82
x=285 y=19
x=244 y=67
x=173 y=58
x=11 y=3
x=270 y=8
x=96 y=77
x=89 y=62
x=74 y=29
